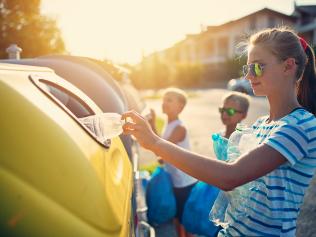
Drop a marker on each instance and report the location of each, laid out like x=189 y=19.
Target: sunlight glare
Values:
x=123 y=30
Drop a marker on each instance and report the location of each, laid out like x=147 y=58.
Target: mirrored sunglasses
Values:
x=254 y=69
x=229 y=111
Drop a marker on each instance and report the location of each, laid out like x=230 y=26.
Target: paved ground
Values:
x=202 y=119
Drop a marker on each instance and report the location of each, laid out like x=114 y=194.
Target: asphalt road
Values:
x=201 y=118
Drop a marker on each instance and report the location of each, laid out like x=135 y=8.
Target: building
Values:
x=219 y=43
x=306 y=22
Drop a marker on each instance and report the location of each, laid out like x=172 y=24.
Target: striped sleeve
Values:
x=291 y=141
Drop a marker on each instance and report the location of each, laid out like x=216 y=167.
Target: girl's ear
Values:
x=289 y=65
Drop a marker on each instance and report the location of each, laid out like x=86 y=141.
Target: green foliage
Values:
x=188 y=75
x=233 y=67
x=157 y=74
x=110 y=68
x=22 y=24
x=151 y=74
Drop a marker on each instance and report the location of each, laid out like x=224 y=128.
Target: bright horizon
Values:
x=124 y=30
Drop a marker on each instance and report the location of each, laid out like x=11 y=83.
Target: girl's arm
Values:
x=224 y=175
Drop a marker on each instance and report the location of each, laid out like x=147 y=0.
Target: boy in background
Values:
x=174 y=101
x=234 y=110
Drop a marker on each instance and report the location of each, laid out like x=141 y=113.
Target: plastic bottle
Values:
x=220 y=146
x=241 y=141
x=105 y=125
x=112 y=124
x=217 y=213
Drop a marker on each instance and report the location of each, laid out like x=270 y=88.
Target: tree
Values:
x=21 y=23
x=233 y=67
x=188 y=75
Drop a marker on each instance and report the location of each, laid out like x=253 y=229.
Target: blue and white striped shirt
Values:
x=273 y=206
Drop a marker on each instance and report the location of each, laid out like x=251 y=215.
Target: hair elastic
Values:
x=303 y=43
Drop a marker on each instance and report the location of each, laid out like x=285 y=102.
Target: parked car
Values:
x=241 y=84
x=57 y=177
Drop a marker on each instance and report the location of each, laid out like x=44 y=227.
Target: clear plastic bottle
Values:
x=112 y=124
x=217 y=213
x=104 y=126
x=242 y=140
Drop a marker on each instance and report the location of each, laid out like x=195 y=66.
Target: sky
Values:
x=125 y=30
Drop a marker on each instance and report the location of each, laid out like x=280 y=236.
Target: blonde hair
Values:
x=178 y=93
x=240 y=98
x=284 y=43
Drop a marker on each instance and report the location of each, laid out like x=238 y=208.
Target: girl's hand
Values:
x=140 y=128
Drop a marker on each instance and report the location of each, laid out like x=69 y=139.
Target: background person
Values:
x=173 y=103
x=233 y=111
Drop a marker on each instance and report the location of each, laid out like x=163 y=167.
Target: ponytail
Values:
x=306 y=93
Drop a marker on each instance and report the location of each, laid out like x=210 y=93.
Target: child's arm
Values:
x=177 y=135
x=226 y=176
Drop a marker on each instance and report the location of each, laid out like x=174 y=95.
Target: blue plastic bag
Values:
x=160 y=198
x=195 y=218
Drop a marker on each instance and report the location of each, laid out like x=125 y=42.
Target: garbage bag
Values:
x=195 y=218
x=160 y=198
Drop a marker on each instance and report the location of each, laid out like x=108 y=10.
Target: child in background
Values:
x=234 y=110
x=174 y=101
x=281 y=66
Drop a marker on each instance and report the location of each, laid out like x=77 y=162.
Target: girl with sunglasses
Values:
x=281 y=66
